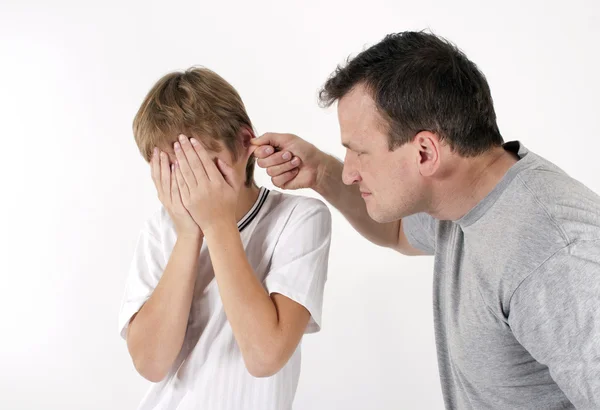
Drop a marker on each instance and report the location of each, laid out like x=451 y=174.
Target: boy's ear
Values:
x=246 y=135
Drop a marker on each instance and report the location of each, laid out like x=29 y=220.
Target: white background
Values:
x=75 y=191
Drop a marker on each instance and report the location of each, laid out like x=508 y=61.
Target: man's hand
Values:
x=209 y=191
x=169 y=196
x=291 y=162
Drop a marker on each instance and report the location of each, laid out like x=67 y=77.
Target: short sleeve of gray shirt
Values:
x=555 y=315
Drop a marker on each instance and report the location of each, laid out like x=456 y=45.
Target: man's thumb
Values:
x=268 y=138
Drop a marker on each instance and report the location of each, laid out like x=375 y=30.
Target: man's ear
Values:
x=428 y=146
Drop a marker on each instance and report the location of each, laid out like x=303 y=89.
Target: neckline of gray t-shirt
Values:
x=526 y=160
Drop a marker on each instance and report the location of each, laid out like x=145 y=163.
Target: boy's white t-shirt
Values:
x=287 y=239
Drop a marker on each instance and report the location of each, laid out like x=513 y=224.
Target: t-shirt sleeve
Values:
x=144 y=273
x=555 y=315
x=299 y=263
x=420 y=230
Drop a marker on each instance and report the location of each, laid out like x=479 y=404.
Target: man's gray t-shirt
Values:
x=517 y=292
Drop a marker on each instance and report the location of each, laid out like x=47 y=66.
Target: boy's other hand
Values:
x=169 y=195
x=209 y=191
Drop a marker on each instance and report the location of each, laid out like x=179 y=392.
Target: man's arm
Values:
x=555 y=312
x=294 y=163
x=156 y=333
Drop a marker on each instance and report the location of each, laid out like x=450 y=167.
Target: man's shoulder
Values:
x=537 y=219
x=569 y=207
x=547 y=180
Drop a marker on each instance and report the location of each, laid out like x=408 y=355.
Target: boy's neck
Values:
x=246 y=199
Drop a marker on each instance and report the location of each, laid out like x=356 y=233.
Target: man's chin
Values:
x=382 y=217
x=378 y=216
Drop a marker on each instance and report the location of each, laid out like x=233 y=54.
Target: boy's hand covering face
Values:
x=168 y=194
x=209 y=190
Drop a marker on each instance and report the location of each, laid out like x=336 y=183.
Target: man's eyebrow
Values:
x=351 y=148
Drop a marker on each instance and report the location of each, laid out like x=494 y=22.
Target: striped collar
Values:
x=251 y=214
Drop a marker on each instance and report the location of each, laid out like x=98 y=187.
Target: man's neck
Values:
x=246 y=199
x=472 y=181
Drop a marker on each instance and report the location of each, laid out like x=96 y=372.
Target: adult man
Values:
x=516 y=240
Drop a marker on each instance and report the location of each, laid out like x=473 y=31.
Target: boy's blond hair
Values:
x=198 y=103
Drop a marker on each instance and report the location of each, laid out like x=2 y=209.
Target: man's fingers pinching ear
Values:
x=264 y=152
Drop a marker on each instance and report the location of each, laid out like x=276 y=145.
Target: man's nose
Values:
x=350 y=174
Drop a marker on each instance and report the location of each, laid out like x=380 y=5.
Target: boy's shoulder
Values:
x=294 y=219
x=283 y=202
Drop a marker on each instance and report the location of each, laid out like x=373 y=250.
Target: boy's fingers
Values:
x=192 y=156
x=207 y=164
x=228 y=173
x=186 y=170
x=174 y=187
x=165 y=175
x=183 y=189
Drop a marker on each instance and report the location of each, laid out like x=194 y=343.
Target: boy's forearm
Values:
x=249 y=309
x=157 y=332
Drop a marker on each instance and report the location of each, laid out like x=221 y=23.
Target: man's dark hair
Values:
x=422 y=82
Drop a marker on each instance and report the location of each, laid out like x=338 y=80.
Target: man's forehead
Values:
x=357 y=111
x=360 y=97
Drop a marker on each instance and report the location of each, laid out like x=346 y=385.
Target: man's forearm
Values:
x=249 y=309
x=348 y=201
x=157 y=332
